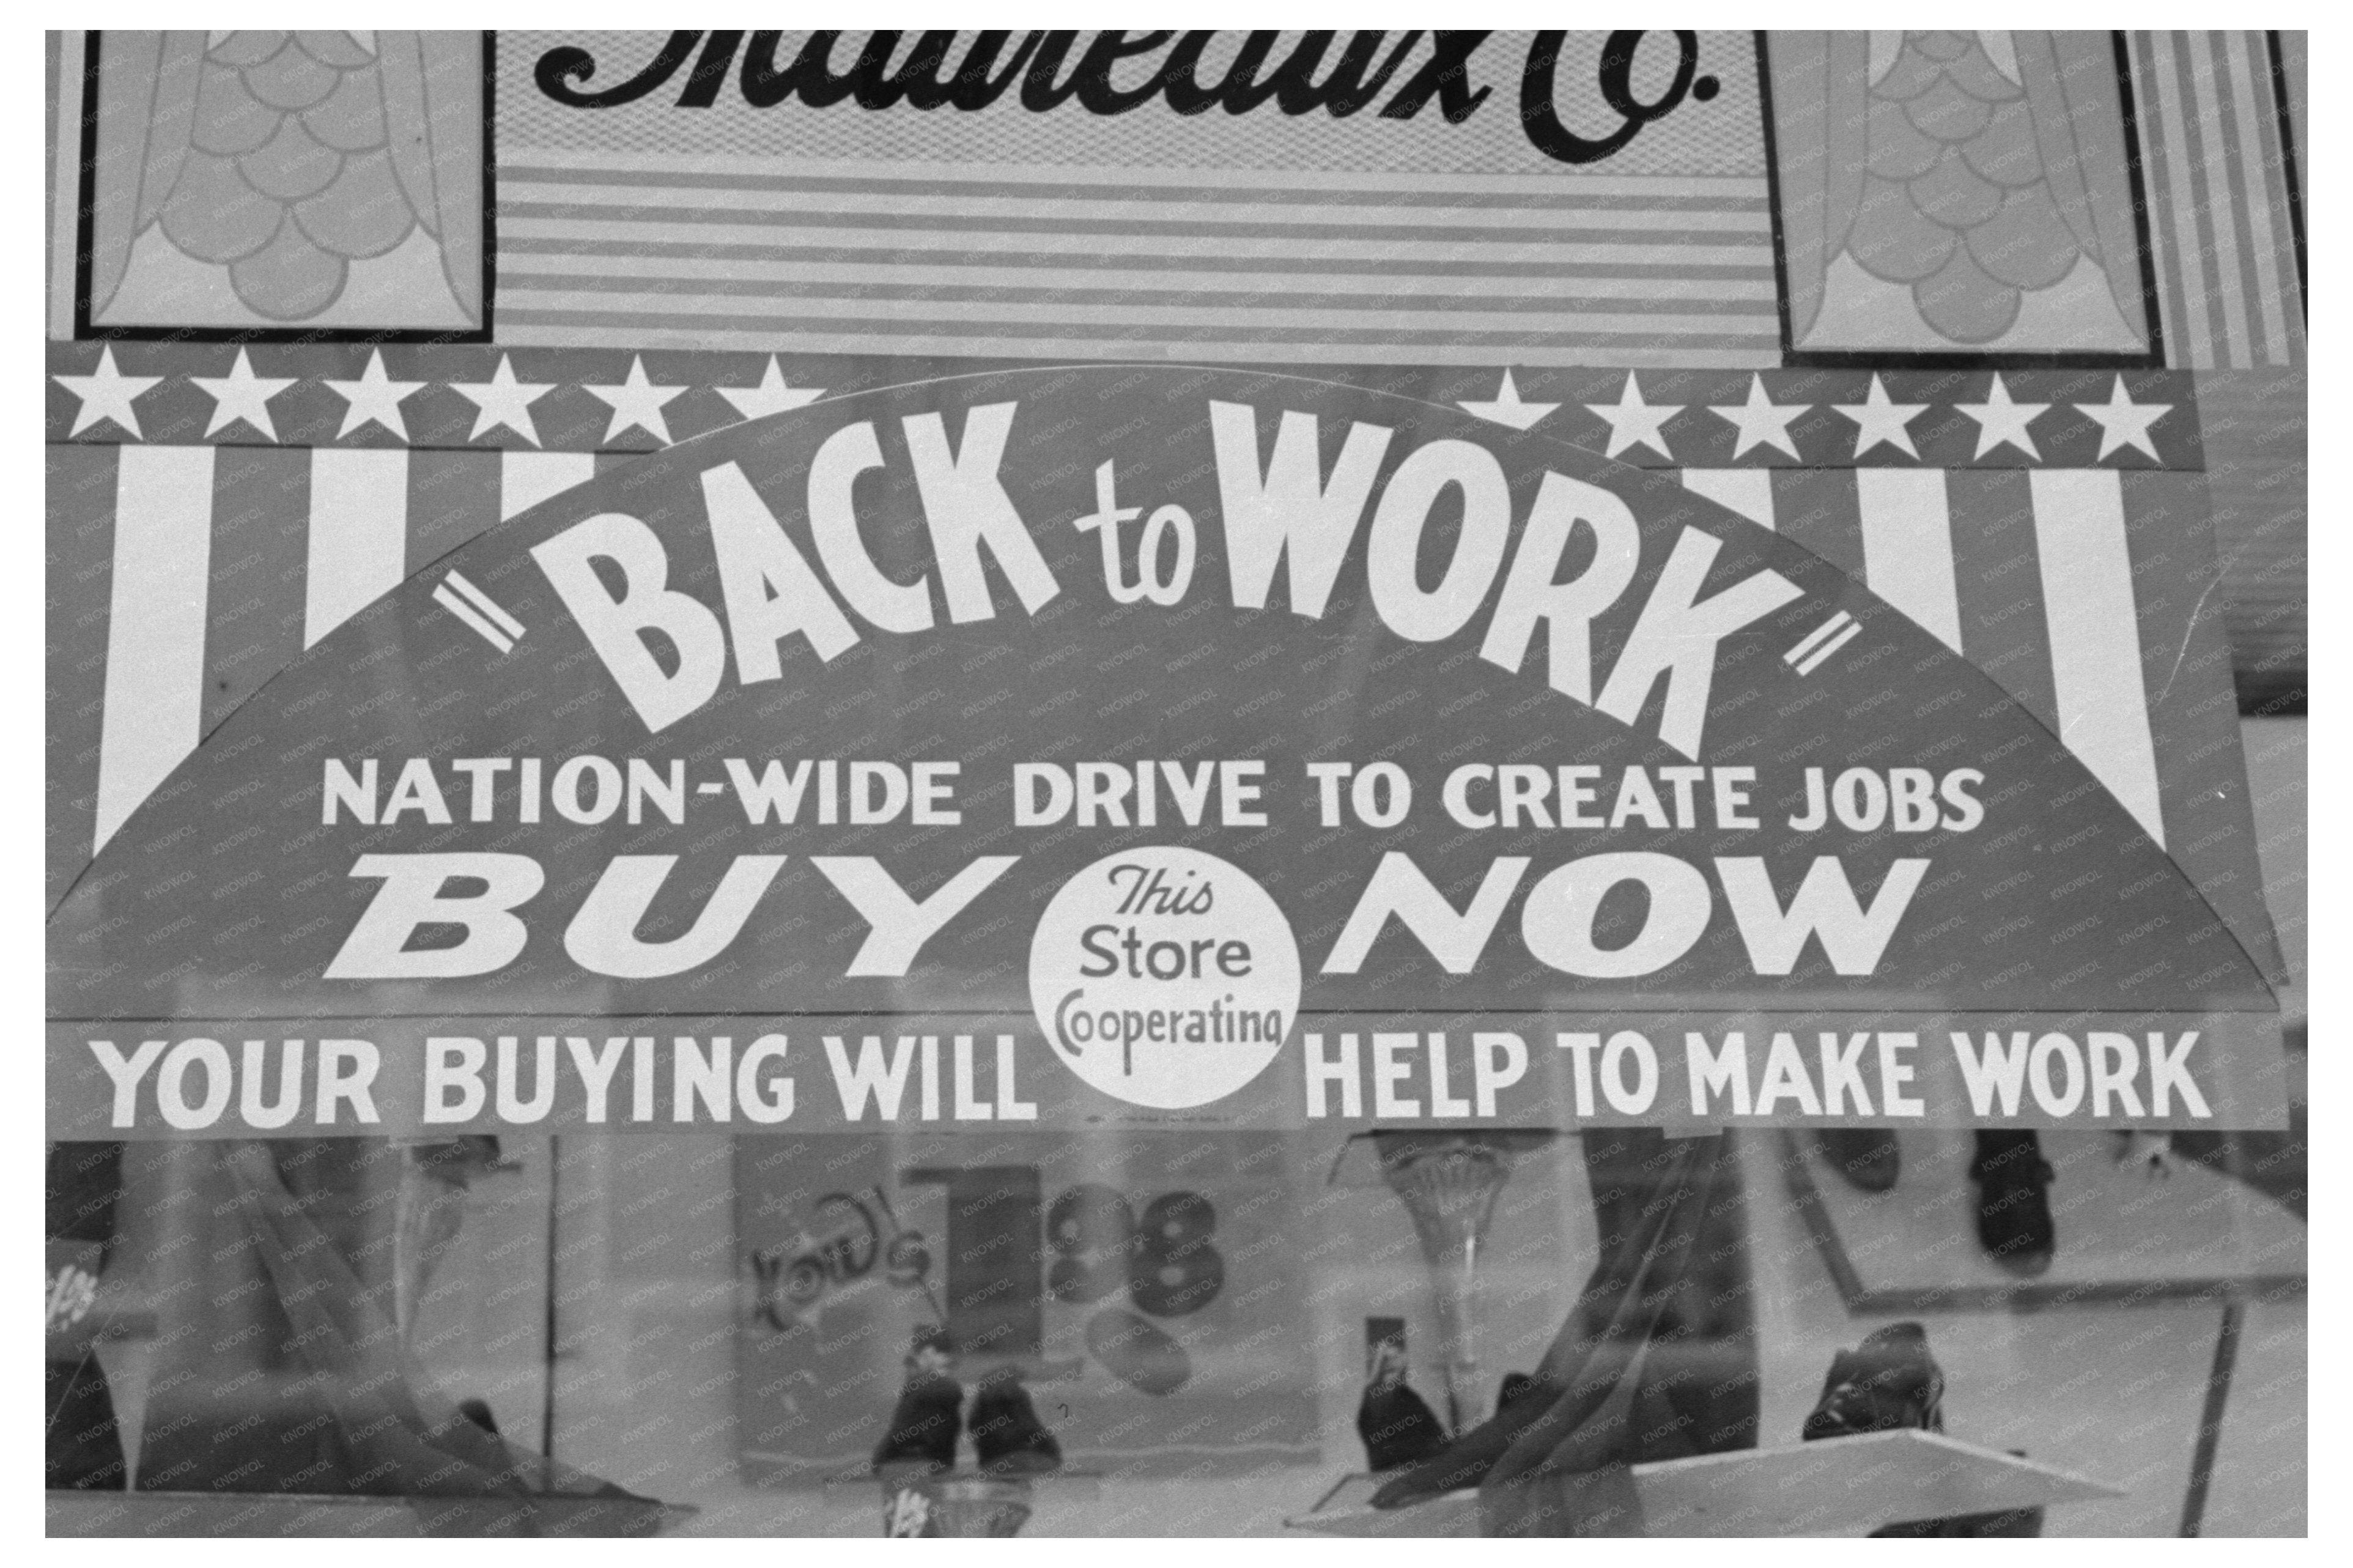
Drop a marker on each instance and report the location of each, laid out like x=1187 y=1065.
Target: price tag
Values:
x=1098 y=1268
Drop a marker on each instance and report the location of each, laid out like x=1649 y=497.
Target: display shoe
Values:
x=924 y=1425
x=1398 y=1425
x=1006 y=1435
x=1888 y=1383
x=1866 y=1156
x=2014 y=1200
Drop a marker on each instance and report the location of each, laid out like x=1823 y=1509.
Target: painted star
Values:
x=107 y=394
x=1761 y=421
x=2123 y=422
x=637 y=402
x=375 y=398
x=770 y=396
x=1876 y=420
x=504 y=400
x=1506 y=408
x=2002 y=422
x=242 y=395
x=1633 y=422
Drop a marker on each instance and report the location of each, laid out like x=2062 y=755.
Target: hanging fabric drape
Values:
x=1657 y=1359
x=310 y=1386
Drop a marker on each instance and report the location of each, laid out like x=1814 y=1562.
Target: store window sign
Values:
x=1171 y=958
x=1112 y=73
x=1136 y=746
x=1153 y=1271
x=1283 y=197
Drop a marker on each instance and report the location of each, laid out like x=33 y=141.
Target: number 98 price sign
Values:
x=1139 y=1287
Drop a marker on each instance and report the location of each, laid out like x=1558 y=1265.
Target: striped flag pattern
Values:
x=1010 y=260
x=220 y=566
x=2217 y=173
x=1895 y=530
x=2077 y=590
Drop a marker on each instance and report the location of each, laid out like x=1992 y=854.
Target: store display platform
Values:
x=164 y=1514
x=1837 y=1487
x=2220 y=1238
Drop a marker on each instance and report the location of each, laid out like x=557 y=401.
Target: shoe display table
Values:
x=1837 y=1487
x=2220 y=1238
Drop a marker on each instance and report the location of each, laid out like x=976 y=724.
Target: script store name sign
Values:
x=1147 y=747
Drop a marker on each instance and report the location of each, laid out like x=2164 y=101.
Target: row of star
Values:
x=2001 y=421
x=374 y=398
x=637 y=402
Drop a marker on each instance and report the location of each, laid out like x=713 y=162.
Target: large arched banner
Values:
x=1147 y=747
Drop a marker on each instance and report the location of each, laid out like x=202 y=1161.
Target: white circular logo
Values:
x=1165 y=977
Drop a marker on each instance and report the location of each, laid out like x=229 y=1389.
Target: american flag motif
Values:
x=887 y=258
x=2077 y=583
x=1352 y=221
x=2222 y=199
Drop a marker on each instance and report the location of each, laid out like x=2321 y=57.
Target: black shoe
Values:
x=1398 y=1425
x=924 y=1425
x=1866 y=1156
x=1006 y=1435
x=1886 y=1383
x=2013 y=1201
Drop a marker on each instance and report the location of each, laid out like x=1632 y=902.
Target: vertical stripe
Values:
x=1747 y=491
x=2189 y=252
x=2254 y=165
x=1997 y=586
x=155 y=625
x=1815 y=507
x=1907 y=546
x=2096 y=652
x=2208 y=276
x=526 y=479
x=2222 y=180
x=2157 y=173
x=2293 y=109
x=2277 y=156
x=2217 y=205
x=2294 y=49
x=65 y=185
x=453 y=497
x=78 y=547
x=2242 y=179
x=2193 y=716
x=253 y=609
x=359 y=533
